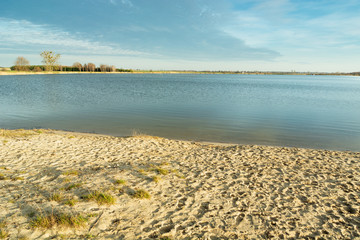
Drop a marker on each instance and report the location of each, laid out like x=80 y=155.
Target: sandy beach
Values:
x=64 y=185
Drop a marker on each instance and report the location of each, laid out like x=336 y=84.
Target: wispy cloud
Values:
x=15 y=32
x=124 y=2
x=293 y=29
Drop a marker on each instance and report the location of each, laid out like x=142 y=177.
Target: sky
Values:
x=236 y=35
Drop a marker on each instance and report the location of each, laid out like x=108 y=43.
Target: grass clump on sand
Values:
x=119 y=182
x=72 y=186
x=3 y=233
x=2 y=177
x=100 y=197
x=71 y=172
x=141 y=194
x=70 y=202
x=161 y=171
x=156 y=179
x=57 y=197
x=58 y=219
x=17 y=133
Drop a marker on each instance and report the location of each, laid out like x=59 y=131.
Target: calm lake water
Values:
x=301 y=111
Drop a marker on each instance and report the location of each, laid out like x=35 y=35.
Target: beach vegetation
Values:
x=16 y=133
x=165 y=238
x=71 y=172
x=141 y=194
x=57 y=197
x=2 y=177
x=119 y=182
x=72 y=186
x=66 y=180
x=22 y=237
x=70 y=202
x=156 y=179
x=3 y=234
x=161 y=171
x=58 y=219
x=15 y=178
x=100 y=197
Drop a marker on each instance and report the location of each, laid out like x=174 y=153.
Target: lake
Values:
x=299 y=111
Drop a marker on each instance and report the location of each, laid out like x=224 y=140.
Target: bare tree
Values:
x=50 y=59
x=78 y=66
x=112 y=68
x=91 y=67
x=103 y=68
x=21 y=64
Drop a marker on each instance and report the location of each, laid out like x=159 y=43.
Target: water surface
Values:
x=301 y=111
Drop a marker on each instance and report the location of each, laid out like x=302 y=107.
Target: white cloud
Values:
x=15 y=32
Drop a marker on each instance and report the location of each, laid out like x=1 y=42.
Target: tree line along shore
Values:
x=51 y=65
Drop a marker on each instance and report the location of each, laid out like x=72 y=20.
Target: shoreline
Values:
x=157 y=188
x=7 y=73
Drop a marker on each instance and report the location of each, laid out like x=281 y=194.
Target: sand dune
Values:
x=196 y=191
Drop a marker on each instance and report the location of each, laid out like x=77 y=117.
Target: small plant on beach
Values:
x=71 y=172
x=156 y=179
x=5 y=142
x=66 y=180
x=161 y=171
x=3 y=234
x=16 y=178
x=119 y=182
x=100 y=197
x=16 y=133
x=70 y=202
x=58 y=219
x=57 y=197
x=165 y=238
x=141 y=194
x=72 y=186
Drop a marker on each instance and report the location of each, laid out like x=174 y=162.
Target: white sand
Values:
x=210 y=192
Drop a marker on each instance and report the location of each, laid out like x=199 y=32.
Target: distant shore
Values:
x=179 y=72
x=148 y=187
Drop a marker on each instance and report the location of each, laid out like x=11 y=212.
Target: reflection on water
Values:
x=303 y=111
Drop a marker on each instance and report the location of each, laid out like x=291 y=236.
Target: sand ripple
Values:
x=198 y=191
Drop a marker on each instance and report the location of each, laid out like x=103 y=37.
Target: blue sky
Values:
x=278 y=35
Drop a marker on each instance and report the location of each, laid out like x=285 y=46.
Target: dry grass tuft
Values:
x=3 y=234
x=100 y=197
x=57 y=197
x=58 y=219
x=141 y=194
x=70 y=202
x=3 y=177
x=161 y=171
x=72 y=186
x=156 y=179
x=71 y=172
x=119 y=182
x=19 y=133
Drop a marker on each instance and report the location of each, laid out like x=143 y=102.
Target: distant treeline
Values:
x=82 y=68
